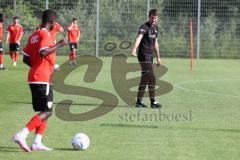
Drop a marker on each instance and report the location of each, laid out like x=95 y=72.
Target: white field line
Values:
x=180 y=86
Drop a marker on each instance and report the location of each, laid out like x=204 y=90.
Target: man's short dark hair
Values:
x=74 y=19
x=49 y=16
x=153 y=12
x=16 y=17
x=1 y=17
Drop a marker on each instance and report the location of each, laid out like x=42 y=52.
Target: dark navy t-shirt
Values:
x=147 y=43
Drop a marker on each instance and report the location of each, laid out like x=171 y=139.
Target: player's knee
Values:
x=142 y=87
x=48 y=114
x=152 y=79
x=45 y=115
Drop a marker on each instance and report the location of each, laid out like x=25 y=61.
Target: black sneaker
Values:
x=74 y=63
x=2 y=68
x=156 y=104
x=138 y=105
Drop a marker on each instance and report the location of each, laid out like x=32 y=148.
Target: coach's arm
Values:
x=136 y=44
x=156 y=49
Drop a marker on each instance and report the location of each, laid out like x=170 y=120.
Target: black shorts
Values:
x=1 y=48
x=42 y=97
x=14 y=47
x=145 y=58
x=72 y=45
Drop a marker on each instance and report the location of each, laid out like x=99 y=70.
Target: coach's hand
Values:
x=158 y=62
x=133 y=52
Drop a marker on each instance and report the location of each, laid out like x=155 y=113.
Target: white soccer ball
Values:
x=80 y=141
x=56 y=67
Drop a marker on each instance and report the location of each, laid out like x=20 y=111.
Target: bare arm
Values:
x=156 y=49
x=78 y=36
x=20 y=37
x=7 y=37
x=136 y=44
x=51 y=50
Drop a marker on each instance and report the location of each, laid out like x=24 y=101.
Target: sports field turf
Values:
x=205 y=102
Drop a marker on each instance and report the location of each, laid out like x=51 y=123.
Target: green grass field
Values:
x=206 y=100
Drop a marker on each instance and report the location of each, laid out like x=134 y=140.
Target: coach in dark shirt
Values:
x=147 y=44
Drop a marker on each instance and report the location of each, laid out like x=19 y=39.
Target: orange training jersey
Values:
x=1 y=31
x=56 y=28
x=42 y=67
x=15 y=31
x=73 y=33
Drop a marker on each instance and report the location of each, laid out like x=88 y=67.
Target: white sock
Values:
x=24 y=132
x=1 y=65
x=37 y=139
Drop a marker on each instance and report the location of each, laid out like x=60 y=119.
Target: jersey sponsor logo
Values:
x=34 y=39
x=152 y=36
x=142 y=30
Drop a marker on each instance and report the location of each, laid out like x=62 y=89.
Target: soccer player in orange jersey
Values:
x=40 y=54
x=14 y=32
x=1 y=46
x=73 y=38
x=57 y=28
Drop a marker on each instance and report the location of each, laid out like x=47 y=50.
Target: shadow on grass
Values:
x=128 y=125
x=65 y=149
x=76 y=104
x=5 y=149
x=171 y=128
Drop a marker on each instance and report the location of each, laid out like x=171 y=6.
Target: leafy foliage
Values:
x=121 y=19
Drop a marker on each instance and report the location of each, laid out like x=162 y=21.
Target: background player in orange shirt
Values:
x=73 y=38
x=57 y=28
x=15 y=32
x=1 y=35
x=40 y=55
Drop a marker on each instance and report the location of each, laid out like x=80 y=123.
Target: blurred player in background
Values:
x=1 y=45
x=14 y=32
x=148 y=44
x=40 y=54
x=73 y=38
x=57 y=28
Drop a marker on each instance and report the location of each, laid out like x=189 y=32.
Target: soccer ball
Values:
x=80 y=141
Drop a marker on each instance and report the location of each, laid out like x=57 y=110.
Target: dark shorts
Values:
x=1 y=48
x=14 y=47
x=42 y=97
x=72 y=45
x=145 y=58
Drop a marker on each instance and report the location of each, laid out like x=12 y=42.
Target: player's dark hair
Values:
x=49 y=16
x=1 y=17
x=74 y=19
x=16 y=17
x=153 y=12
